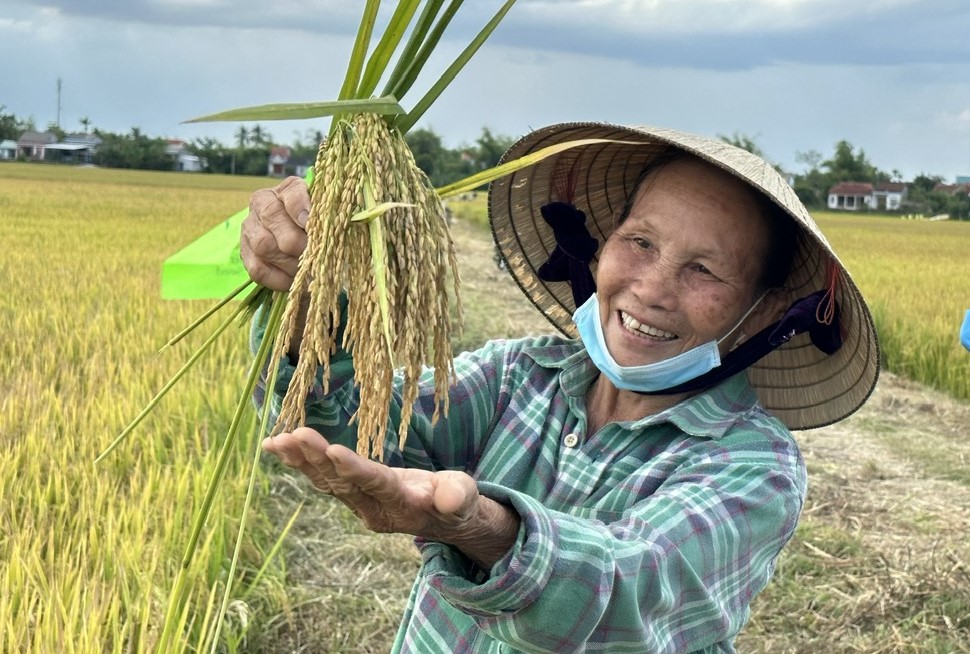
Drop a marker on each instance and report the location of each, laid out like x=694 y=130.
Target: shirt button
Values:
x=570 y=440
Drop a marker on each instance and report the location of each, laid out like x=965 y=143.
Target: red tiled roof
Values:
x=891 y=187
x=953 y=189
x=851 y=188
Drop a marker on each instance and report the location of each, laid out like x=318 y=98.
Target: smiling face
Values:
x=683 y=267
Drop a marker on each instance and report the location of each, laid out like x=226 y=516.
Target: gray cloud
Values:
x=688 y=33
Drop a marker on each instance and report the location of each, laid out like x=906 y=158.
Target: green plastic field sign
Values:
x=208 y=268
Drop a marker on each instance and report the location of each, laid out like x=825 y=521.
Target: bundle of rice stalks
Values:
x=391 y=260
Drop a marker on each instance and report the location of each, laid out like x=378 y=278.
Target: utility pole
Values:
x=58 y=102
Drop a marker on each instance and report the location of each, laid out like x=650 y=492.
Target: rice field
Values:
x=916 y=277
x=88 y=553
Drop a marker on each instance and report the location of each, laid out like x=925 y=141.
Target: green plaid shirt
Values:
x=646 y=536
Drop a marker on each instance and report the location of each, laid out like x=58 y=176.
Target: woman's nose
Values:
x=658 y=282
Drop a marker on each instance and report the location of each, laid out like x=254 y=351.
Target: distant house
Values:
x=183 y=160
x=75 y=148
x=859 y=196
x=960 y=188
x=888 y=196
x=279 y=157
x=851 y=196
x=31 y=145
x=8 y=150
x=282 y=163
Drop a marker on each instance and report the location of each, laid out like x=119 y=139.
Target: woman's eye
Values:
x=701 y=268
x=641 y=242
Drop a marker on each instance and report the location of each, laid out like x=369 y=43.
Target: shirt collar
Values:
x=709 y=414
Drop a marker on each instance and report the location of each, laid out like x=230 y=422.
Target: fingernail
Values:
x=302 y=218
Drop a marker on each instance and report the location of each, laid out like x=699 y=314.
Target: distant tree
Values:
x=85 y=123
x=442 y=165
x=428 y=151
x=216 y=157
x=811 y=158
x=491 y=148
x=924 y=183
x=812 y=186
x=56 y=130
x=242 y=137
x=847 y=166
x=12 y=127
x=745 y=142
x=924 y=198
x=132 y=150
x=259 y=137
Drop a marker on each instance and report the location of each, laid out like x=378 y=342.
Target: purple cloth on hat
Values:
x=575 y=248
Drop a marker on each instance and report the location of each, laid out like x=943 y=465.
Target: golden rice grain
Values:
x=408 y=254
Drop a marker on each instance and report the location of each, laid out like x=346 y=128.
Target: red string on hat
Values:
x=825 y=311
x=564 y=179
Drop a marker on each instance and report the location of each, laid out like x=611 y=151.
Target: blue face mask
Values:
x=652 y=376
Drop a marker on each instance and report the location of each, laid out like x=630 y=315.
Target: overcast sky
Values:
x=890 y=76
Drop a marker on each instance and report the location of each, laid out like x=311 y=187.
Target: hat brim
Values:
x=797 y=383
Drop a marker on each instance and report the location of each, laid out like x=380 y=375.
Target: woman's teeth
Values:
x=632 y=323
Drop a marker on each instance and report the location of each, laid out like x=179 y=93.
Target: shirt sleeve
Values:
x=676 y=572
x=452 y=442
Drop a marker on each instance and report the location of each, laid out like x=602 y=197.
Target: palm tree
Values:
x=242 y=136
x=85 y=123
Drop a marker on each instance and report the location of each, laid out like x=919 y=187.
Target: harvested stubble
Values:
x=391 y=265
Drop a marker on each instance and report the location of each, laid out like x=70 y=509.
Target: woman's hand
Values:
x=443 y=506
x=274 y=233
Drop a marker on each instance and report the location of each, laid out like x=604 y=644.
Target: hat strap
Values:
x=575 y=248
x=799 y=318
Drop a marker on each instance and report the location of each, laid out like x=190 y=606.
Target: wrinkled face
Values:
x=683 y=267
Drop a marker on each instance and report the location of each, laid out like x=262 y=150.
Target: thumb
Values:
x=455 y=493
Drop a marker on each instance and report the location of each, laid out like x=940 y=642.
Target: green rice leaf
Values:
x=407 y=121
x=356 y=63
x=368 y=215
x=418 y=34
x=416 y=63
x=491 y=174
x=297 y=110
x=213 y=309
x=385 y=48
x=379 y=262
x=242 y=308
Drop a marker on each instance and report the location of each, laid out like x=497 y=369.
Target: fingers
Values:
x=273 y=235
x=294 y=195
x=305 y=450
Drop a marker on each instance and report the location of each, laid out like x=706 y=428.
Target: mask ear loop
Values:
x=741 y=321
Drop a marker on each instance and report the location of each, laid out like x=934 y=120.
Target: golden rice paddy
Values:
x=88 y=552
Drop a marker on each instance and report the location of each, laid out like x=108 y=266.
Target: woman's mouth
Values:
x=634 y=325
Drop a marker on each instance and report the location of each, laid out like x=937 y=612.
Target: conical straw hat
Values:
x=801 y=385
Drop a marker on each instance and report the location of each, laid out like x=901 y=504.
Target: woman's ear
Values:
x=770 y=310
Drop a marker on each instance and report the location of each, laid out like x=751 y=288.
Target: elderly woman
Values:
x=628 y=490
